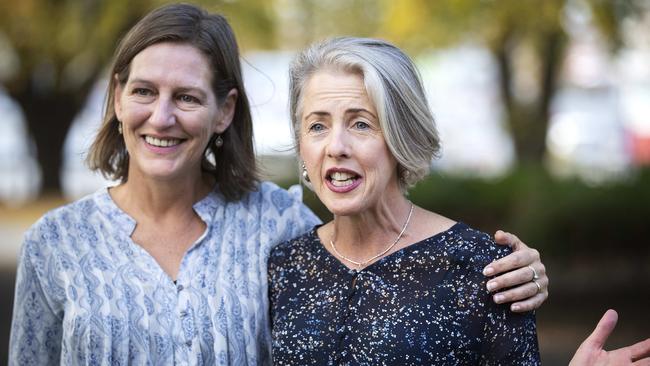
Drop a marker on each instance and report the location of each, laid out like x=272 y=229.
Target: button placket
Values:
x=185 y=317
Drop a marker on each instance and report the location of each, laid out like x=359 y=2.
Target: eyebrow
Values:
x=183 y=89
x=347 y=111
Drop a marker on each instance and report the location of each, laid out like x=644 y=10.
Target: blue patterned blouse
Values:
x=88 y=295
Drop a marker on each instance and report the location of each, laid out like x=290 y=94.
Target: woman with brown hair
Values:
x=170 y=265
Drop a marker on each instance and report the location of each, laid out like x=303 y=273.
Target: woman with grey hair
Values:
x=168 y=267
x=386 y=282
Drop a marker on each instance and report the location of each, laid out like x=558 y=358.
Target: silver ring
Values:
x=539 y=287
x=535 y=276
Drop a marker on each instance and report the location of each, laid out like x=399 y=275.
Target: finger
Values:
x=529 y=304
x=517 y=259
x=605 y=326
x=505 y=238
x=513 y=278
x=518 y=293
x=644 y=362
x=640 y=350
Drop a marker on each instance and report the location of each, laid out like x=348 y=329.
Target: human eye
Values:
x=141 y=92
x=190 y=99
x=316 y=127
x=361 y=125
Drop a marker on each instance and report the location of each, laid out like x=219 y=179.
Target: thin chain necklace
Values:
x=367 y=261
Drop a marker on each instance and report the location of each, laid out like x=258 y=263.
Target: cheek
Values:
x=310 y=154
x=196 y=124
x=132 y=114
x=382 y=159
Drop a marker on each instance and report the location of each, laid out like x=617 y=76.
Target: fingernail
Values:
x=515 y=307
x=491 y=286
x=498 y=298
x=488 y=271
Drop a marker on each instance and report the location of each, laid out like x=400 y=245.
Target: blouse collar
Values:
x=205 y=208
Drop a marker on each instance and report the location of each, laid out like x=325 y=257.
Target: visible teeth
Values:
x=342 y=179
x=161 y=142
x=339 y=183
x=341 y=176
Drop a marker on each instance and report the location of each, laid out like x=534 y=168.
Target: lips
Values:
x=342 y=180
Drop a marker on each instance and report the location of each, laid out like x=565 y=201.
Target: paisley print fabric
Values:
x=87 y=295
x=423 y=305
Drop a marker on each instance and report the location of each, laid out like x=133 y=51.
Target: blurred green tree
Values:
x=508 y=28
x=61 y=47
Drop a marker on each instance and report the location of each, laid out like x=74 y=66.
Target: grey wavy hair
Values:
x=394 y=87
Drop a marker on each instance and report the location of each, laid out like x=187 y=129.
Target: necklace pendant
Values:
x=359 y=264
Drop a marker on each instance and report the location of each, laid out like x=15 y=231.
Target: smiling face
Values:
x=169 y=111
x=342 y=145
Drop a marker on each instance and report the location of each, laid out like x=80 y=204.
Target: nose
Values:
x=338 y=144
x=162 y=115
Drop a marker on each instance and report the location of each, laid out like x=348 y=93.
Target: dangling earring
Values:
x=305 y=176
x=218 y=141
x=119 y=128
x=404 y=176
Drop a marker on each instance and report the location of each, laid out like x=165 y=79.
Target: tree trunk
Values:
x=551 y=53
x=48 y=117
x=528 y=123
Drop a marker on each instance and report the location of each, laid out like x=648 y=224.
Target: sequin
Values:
x=425 y=304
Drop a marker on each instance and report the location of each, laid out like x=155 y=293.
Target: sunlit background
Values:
x=543 y=108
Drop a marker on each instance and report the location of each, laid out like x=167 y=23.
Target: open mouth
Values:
x=161 y=142
x=342 y=179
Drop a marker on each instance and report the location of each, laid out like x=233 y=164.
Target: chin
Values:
x=162 y=172
x=340 y=208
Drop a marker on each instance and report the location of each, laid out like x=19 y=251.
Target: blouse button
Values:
x=179 y=288
x=188 y=343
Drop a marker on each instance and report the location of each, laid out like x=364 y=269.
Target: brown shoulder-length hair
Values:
x=233 y=164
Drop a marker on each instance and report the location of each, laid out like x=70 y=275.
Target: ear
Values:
x=117 y=98
x=227 y=112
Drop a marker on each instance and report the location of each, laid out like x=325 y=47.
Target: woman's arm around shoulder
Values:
x=521 y=278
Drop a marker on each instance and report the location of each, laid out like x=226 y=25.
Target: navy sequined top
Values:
x=424 y=304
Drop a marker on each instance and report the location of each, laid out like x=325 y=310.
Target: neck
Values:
x=156 y=199
x=363 y=236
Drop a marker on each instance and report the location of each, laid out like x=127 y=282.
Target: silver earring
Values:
x=305 y=176
x=218 y=141
x=119 y=128
x=405 y=175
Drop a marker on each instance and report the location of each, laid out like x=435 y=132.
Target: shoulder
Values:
x=474 y=247
x=298 y=244
x=51 y=244
x=269 y=196
x=280 y=199
x=65 y=217
x=297 y=248
x=72 y=220
x=275 y=213
x=272 y=201
x=280 y=211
